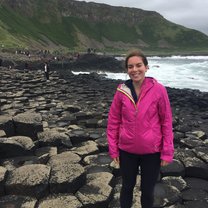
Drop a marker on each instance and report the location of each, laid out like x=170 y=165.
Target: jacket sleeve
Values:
x=113 y=126
x=165 y=114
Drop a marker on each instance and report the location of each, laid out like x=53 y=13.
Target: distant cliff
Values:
x=75 y=25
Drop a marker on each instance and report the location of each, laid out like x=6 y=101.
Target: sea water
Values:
x=175 y=71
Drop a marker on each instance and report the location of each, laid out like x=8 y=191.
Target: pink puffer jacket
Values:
x=144 y=127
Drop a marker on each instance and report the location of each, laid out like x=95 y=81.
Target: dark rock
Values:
x=16 y=162
x=3 y=172
x=178 y=136
x=72 y=108
x=183 y=128
x=96 y=192
x=202 y=153
x=196 y=204
x=2 y=134
x=194 y=195
x=86 y=148
x=102 y=159
x=7 y=125
x=10 y=201
x=28 y=180
x=91 y=123
x=177 y=205
x=83 y=116
x=190 y=143
x=102 y=123
x=60 y=200
x=178 y=182
x=28 y=124
x=66 y=174
x=96 y=62
x=197 y=183
x=195 y=167
x=102 y=144
x=78 y=136
x=201 y=135
x=97 y=169
x=176 y=168
x=66 y=177
x=45 y=153
x=182 y=154
x=65 y=157
x=16 y=146
x=103 y=177
x=53 y=138
x=165 y=195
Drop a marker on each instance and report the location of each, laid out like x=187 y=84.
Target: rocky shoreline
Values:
x=54 y=153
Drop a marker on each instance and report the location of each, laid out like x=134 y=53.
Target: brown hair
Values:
x=135 y=52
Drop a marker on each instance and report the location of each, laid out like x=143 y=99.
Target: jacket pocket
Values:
x=127 y=133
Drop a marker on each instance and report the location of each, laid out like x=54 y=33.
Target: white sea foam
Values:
x=175 y=71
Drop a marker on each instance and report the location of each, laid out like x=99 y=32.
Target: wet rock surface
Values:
x=53 y=148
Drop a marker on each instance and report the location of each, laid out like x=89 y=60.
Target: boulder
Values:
x=194 y=195
x=178 y=182
x=10 y=201
x=195 y=167
x=196 y=204
x=101 y=159
x=16 y=162
x=86 y=148
x=176 y=168
x=66 y=174
x=28 y=124
x=3 y=172
x=45 y=153
x=2 y=133
x=60 y=200
x=165 y=194
x=54 y=138
x=28 y=180
x=95 y=194
x=197 y=183
x=16 y=146
x=6 y=124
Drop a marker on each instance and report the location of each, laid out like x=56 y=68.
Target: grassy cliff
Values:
x=72 y=25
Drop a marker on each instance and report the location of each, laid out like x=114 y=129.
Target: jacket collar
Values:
x=126 y=87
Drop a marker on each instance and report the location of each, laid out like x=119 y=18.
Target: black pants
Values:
x=47 y=75
x=149 y=166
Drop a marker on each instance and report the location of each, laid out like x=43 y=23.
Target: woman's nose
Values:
x=135 y=67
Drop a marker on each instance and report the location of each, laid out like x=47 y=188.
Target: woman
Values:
x=140 y=130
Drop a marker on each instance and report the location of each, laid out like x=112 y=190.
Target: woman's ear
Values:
x=147 y=67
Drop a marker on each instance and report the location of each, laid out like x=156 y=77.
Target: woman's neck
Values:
x=137 y=85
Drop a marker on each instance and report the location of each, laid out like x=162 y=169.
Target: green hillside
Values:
x=55 y=24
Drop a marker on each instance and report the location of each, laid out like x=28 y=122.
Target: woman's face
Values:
x=136 y=69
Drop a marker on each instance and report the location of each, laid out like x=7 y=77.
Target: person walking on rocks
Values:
x=139 y=130
x=46 y=70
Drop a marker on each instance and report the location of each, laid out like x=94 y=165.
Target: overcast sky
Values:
x=189 y=13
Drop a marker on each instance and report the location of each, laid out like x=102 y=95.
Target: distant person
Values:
x=46 y=70
x=1 y=62
x=26 y=66
x=139 y=130
x=89 y=50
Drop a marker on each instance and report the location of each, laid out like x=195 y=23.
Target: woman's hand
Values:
x=116 y=160
x=164 y=163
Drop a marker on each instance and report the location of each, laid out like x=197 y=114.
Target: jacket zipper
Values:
x=131 y=98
